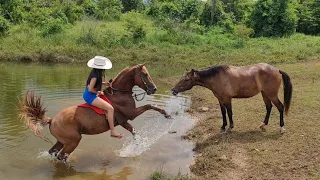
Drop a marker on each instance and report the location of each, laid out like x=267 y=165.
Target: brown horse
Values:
x=227 y=82
x=70 y=123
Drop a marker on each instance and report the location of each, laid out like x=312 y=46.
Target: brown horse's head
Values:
x=187 y=81
x=143 y=79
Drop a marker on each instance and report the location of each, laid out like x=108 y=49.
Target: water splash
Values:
x=153 y=130
x=45 y=154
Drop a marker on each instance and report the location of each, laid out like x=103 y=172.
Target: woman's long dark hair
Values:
x=100 y=75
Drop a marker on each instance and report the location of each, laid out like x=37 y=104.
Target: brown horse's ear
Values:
x=187 y=69
x=141 y=66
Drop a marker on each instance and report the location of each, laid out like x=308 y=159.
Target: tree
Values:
x=129 y=5
x=12 y=10
x=275 y=18
x=190 y=8
x=239 y=9
x=309 y=17
x=212 y=13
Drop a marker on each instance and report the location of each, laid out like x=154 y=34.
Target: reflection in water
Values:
x=64 y=172
x=98 y=156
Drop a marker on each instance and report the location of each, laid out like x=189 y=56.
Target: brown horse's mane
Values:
x=122 y=72
x=125 y=70
x=212 y=71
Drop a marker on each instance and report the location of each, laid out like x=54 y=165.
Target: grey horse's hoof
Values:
x=262 y=127
x=282 y=130
x=222 y=130
x=229 y=130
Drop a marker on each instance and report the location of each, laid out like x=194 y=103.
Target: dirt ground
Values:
x=249 y=153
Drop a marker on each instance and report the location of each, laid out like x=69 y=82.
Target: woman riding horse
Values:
x=71 y=122
x=94 y=86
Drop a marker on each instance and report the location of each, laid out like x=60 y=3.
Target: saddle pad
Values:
x=96 y=109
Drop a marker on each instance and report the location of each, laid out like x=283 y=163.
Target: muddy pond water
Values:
x=25 y=156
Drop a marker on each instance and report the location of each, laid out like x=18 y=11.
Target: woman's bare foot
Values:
x=116 y=135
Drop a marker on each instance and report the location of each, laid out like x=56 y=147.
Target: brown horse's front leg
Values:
x=129 y=127
x=144 y=108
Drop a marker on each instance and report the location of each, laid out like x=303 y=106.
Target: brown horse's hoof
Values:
x=168 y=116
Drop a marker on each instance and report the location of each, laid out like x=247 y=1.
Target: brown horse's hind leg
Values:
x=280 y=107
x=68 y=148
x=56 y=148
x=268 y=104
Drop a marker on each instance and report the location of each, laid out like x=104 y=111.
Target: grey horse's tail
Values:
x=287 y=90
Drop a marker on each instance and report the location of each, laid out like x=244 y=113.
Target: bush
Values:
x=193 y=24
x=135 y=30
x=4 y=26
x=52 y=27
x=109 y=9
x=72 y=11
x=243 y=31
x=38 y=17
x=88 y=36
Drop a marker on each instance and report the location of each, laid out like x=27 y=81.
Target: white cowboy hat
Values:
x=100 y=62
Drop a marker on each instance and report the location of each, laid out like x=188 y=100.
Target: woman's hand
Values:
x=106 y=83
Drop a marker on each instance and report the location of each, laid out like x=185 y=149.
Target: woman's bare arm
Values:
x=91 y=86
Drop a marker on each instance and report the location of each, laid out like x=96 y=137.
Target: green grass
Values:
x=160 y=175
x=160 y=49
x=245 y=154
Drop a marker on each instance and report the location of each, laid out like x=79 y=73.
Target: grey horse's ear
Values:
x=195 y=73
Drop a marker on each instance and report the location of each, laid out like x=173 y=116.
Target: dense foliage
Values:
x=270 y=18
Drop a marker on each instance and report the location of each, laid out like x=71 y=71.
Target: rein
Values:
x=135 y=95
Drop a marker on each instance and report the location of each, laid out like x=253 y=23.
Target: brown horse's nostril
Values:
x=154 y=89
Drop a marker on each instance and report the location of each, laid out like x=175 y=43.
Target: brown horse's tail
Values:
x=287 y=90
x=32 y=113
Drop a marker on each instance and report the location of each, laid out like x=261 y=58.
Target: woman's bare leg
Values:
x=100 y=103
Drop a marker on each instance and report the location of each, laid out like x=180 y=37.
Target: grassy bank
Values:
x=172 y=47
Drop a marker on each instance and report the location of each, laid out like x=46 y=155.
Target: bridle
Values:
x=130 y=92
